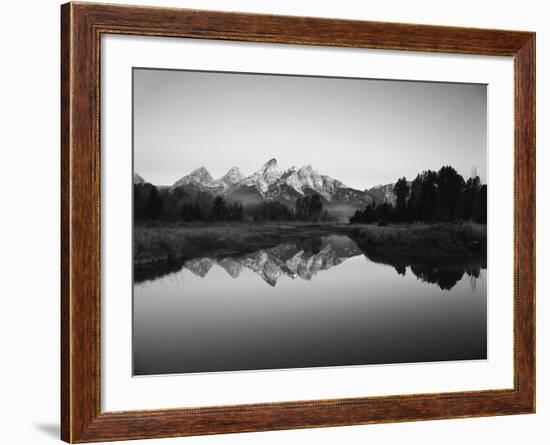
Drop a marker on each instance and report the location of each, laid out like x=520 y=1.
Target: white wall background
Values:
x=29 y=232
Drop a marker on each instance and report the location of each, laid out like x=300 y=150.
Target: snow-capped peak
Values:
x=271 y=170
x=199 y=176
x=233 y=176
x=306 y=170
x=265 y=176
x=271 y=183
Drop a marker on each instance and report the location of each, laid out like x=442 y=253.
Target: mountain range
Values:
x=271 y=183
x=288 y=259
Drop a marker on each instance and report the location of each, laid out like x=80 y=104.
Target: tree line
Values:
x=152 y=203
x=432 y=196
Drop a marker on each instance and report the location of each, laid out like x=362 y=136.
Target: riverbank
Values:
x=426 y=243
x=156 y=243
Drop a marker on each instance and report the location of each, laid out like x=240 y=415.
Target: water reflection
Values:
x=307 y=258
x=321 y=302
x=302 y=260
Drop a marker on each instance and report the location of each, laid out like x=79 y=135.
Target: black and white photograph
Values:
x=285 y=221
x=277 y=221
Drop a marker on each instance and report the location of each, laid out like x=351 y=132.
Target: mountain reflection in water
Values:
x=305 y=259
x=327 y=303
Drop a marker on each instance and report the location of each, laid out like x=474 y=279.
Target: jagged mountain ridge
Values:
x=288 y=259
x=285 y=185
x=271 y=183
x=200 y=179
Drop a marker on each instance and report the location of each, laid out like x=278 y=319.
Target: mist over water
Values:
x=320 y=302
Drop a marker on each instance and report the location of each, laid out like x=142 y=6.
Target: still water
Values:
x=310 y=304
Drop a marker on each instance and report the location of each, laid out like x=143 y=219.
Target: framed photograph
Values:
x=274 y=222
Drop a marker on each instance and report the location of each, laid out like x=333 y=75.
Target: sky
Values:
x=362 y=132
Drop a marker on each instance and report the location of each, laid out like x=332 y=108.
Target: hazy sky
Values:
x=362 y=132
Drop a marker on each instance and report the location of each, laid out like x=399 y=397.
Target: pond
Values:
x=316 y=303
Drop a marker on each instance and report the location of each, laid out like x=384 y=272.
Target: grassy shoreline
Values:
x=435 y=242
x=156 y=244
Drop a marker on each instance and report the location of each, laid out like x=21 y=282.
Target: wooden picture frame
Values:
x=82 y=25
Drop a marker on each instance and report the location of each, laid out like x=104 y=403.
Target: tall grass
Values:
x=162 y=243
x=454 y=239
x=184 y=241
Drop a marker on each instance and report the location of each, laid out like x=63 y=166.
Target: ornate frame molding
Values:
x=82 y=25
